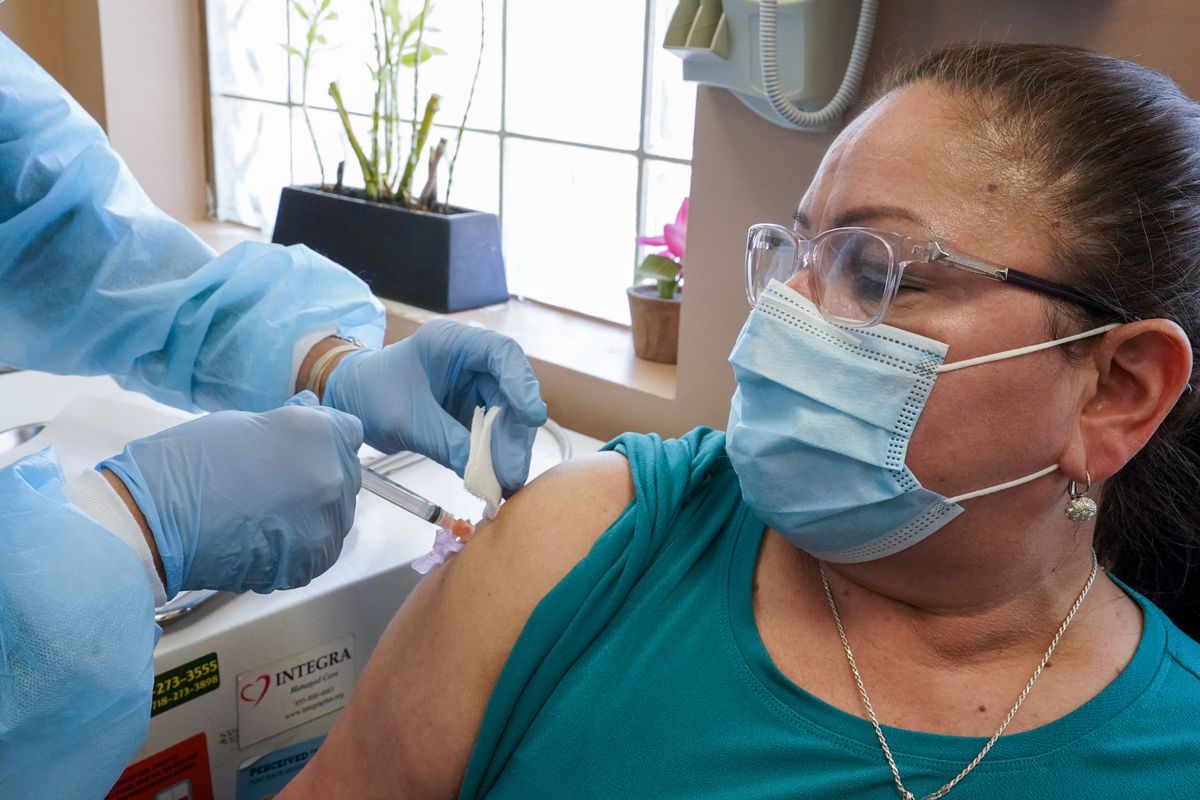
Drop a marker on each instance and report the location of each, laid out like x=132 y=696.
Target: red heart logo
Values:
x=247 y=690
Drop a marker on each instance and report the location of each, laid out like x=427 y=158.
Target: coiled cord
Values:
x=788 y=111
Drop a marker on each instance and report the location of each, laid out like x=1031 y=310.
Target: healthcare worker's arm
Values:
x=412 y=721
x=77 y=637
x=138 y=519
x=95 y=279
x=77 y=625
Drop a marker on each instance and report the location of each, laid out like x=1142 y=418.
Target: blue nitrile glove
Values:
x=420 y=394
x=242 y=501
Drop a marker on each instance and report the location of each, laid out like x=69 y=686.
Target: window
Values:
x=579 y=136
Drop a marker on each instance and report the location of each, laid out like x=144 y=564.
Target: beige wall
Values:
x=36 y=26
x=136 y=66
x=155 y=97
x=78 y=28
x=746 y=170
x=64 y=37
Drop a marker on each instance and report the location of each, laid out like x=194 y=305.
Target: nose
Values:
x=802 y=282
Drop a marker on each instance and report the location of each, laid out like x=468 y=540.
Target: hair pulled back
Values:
x=1113 y=149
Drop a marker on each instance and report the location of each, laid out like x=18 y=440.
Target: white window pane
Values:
x=335 y=147
x=575 y=70
x=664 y=185
x=251 y=159
x=450 y=75
x=672 y=102
x=477 y=173
x=570 y=217
x=244 y=52
x=347 y=59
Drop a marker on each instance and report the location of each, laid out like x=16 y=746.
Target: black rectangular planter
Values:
x=443 y=262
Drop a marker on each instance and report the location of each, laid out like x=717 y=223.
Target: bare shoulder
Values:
x=410 y=726
x=550 y=525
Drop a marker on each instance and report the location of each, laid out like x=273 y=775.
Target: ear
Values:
x=1142 y=369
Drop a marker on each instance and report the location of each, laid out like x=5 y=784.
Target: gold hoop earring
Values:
x=1080 y=508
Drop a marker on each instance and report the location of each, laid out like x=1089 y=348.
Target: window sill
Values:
x=553 y=336
x=221 y=236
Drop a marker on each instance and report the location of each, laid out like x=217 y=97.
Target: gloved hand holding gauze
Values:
x=419 y=394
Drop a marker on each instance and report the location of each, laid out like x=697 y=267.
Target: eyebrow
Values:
x=865 y=214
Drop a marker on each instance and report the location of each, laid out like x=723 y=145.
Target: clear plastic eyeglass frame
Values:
x=902 y=252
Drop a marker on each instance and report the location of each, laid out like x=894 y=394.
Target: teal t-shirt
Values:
x=642 y=675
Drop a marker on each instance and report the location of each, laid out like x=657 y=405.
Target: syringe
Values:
x=407 y=499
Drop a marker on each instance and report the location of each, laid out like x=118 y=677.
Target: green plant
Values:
x=399 y=44
x=395 y=49
x=316 y=15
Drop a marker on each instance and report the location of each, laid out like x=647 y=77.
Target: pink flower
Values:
x=674 y=236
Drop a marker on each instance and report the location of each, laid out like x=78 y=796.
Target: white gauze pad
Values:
x=479 y=477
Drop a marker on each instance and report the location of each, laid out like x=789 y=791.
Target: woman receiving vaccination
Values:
x=963 y=393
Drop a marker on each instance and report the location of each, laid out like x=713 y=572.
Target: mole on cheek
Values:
x=991 y=187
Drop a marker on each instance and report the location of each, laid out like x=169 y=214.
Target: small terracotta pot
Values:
x=655 y=324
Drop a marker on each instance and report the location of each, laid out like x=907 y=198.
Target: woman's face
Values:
x=906 y=165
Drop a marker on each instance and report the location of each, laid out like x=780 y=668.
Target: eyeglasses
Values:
x=857 y=272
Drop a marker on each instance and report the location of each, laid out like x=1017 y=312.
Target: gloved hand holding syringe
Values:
x=382 y=486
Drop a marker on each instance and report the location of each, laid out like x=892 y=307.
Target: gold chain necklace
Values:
x=905 y=794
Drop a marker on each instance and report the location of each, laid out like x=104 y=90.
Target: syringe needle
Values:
x=383 y=486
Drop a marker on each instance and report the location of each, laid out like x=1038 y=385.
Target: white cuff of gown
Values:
x=92 y=494
x=303 y=345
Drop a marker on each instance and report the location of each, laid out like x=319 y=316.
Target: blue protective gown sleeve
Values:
x=95 y=279
x=77 y=637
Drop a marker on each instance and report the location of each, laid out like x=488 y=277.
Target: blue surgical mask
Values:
x=820 y=424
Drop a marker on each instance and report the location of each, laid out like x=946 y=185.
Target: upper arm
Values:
x=412 y=722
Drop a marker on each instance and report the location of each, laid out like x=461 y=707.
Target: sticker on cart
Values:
x=178 y=773
x=263 y=777
x=291 y=691
x=177 y=686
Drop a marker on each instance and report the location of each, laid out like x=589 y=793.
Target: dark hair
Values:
x=1113 y=149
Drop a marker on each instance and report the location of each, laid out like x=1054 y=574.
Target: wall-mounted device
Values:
x=797 y=63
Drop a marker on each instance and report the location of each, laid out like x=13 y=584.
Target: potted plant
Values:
x=654 y=307
x=393 y=232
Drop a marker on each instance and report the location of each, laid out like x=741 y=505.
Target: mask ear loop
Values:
x=1002 y=486
x=1020 y=351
